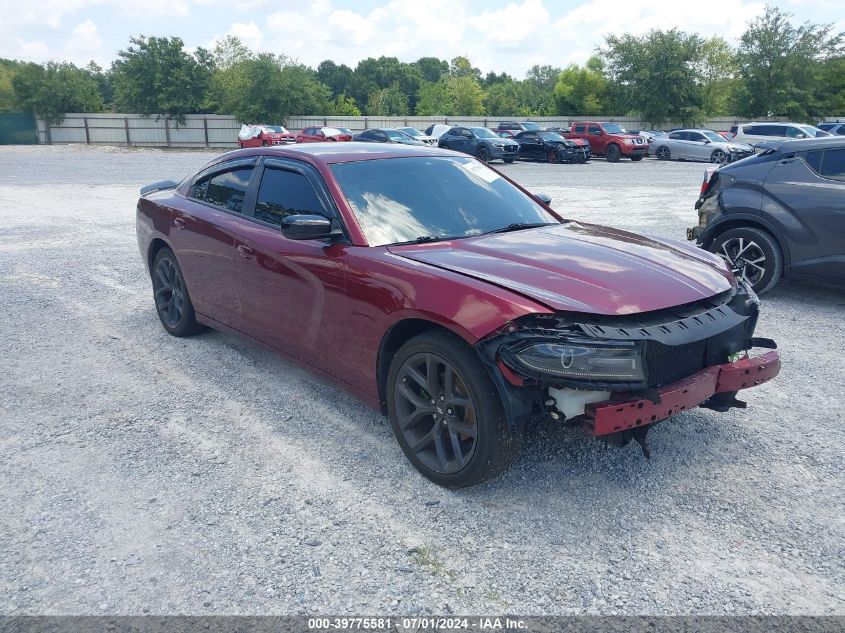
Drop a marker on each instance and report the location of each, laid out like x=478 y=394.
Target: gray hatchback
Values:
x=780 y=213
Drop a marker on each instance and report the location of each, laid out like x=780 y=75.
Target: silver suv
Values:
x=754 y=133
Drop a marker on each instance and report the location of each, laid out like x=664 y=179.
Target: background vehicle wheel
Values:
x=637 y=158
x=613 y=154
x=753 y=254
x=719 y=157
x=508 y=160
x=552 y=156
x=172 y=301
x=483 y=154
x=663 y=153
x=446 y=412
x=265 y=144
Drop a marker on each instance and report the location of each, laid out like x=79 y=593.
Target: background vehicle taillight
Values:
x=708 y=180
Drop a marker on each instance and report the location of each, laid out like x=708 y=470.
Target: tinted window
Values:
x=840 y=131
x=814 y=160
x=595 y=129
x=678 y=136
x=530 y=126
x=283 y=193
x=579 y=128
x=771 y=130
x=225 y=189
x=401 y=199
x=829 y=163
x=794 y=132
x=695 y=136
x=367 y=135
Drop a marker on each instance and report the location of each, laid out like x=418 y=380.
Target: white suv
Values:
x=753 y=133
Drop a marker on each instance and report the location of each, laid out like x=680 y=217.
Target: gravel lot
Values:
x=140 y=473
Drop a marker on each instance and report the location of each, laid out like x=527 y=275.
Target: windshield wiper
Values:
x=422 y=239
x=518 y=226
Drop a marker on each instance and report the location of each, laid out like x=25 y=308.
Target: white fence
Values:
x=215 y=130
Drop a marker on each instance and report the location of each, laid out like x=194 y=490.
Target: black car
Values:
x=485 y=144
x=780 y=213
x=518 y=126
x=386 y=135
x=837 y=128
x=551 y=147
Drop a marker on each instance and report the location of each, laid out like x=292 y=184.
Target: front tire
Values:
x=509 y=160
x=172 y=301
x=446 y=412
x=483 y=154
x=613 y=154
x=637 y=158
x=719 y=157
x=753 y=255
x=663 y=153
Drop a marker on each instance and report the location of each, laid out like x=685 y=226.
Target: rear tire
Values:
x=613 y=153
x=170 y=294
x=753 y=254
x=446 y=412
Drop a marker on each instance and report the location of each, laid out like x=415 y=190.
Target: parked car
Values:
x=696 y=144
x=322 y=134
x=650 y=135
x=835 y=129
x=754 y=133
x=447 y=297
x=551 y=147
x=437 y=130
x=420 y=136
x=480 y=142
x=725 y=134
x=386 y=135
x=264 y=135
x=609 y=140
x=778 y=214
x=517 y=126
x=346 y=130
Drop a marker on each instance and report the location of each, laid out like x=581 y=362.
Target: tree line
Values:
x=778 y=68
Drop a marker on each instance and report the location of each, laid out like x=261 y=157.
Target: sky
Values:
x=497 y=35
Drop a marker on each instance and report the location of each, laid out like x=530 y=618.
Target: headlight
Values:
x=605 y=361
x=629 y=141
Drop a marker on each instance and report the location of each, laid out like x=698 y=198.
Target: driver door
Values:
x=292 y=292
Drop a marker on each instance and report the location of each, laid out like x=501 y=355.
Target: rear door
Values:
x=292 y=292
x=203 y=237
x=808 y=201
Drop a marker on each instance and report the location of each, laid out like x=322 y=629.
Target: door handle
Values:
x=245 y=251
x=179 y=223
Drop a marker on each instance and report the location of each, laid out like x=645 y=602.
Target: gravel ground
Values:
x=141 y=473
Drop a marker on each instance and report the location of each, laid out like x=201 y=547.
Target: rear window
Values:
x=225 y=189
x=829 y=163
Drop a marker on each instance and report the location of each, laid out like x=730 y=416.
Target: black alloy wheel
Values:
x=663 y=153
x=483 y=154
x=719 y=157
x=752 y=254
x=613 y=153
x=172 y=301
x=446 y=413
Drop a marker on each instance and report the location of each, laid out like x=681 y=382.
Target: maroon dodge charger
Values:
x=449 y=298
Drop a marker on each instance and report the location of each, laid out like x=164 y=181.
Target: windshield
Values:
x=713 y=136
x=278 y=129
x=402 y=199
x=412 y=131
x=813 y=131
x=396 y=135
x=345 y=130
x=530 y=126
x=613 y=128
x=483 y=132
x=550 y=136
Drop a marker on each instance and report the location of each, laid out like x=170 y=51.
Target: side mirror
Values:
x=309 y=227
x=707 y=141
x=542 y=197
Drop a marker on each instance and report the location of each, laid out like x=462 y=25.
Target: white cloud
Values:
x=84 y=44
x=247 y=32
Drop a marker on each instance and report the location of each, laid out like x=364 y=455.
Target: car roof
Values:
x=344 y=152
x=802 y=144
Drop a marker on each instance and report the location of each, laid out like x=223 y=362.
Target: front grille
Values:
x=666 y=364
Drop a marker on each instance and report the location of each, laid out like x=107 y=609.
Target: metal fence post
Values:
x=205 y=129
x=87 y=133
x=126 y=127
x=167 y=130
x=47 y=136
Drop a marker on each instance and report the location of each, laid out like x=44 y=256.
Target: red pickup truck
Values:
x=609 y=140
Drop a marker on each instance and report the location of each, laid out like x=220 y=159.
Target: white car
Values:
x=438 y=130
x=696 y=144
x=754 y=133
x=416 y=134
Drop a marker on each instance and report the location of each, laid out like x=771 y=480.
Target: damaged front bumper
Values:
x=621 y=414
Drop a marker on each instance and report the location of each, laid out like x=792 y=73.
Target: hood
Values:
x=583 y=268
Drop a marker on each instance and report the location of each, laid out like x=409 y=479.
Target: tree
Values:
x=51 y=90
x=343 y=106
x=431 y=69
x=462 y=67
x=155 y=75
x=373 y=74
x=451 y=96
x=543 y=77
x=229 y=51
x=781 y=66
x=831 y=88
x=8 y=99
x=658 y=75
x=390 y=101
x=582 y=90
x=337 y=77
x=104 y=86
